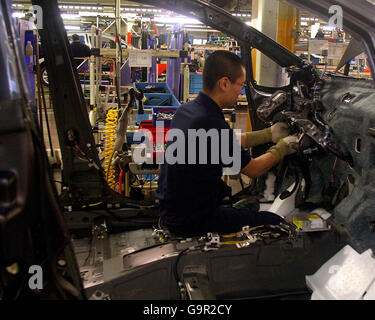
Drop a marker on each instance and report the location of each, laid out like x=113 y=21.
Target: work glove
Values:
x=284 y=147
x=272 y=134
x=278 y=131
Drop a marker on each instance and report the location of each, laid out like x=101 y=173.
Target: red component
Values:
x=120 y=181
x=161 y=68
x=129 y=38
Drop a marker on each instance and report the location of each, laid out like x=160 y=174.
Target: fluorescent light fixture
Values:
x=68 y=16
x=304 y=23
x=72 y=28
x=18 y=14
x=88 y=14
x=248 y=23
x=180 y=20
x=163 y=25
x=128 y=15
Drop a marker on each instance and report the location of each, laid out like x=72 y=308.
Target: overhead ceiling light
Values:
x=88 y=14
x=18 y=14
x=72 y=28
x=128 y=15
x=68 y=16
x=180 y=20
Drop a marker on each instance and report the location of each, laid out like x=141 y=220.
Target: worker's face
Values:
x=231 y=90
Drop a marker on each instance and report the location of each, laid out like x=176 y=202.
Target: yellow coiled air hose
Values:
x=109 y=143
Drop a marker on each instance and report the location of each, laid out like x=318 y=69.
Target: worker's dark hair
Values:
x=221 y=64
x=75 y=37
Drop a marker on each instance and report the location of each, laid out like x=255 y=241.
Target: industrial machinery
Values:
x=324 y=192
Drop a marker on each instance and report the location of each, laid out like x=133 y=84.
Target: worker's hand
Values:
x=285 y=147
x=271 y=134
x=278 y=131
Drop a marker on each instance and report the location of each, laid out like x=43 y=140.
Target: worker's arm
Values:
x=257 y=166
x=272 y=134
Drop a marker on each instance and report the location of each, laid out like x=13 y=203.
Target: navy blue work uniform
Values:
x=190 y=194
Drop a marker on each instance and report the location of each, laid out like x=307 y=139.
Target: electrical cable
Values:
x=231 y=235
x=233 y=242
x=120 y=181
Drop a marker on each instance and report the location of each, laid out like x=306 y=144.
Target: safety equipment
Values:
x=278 y=131
x=284 y=147
x=272 y=134
x=109 y=144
